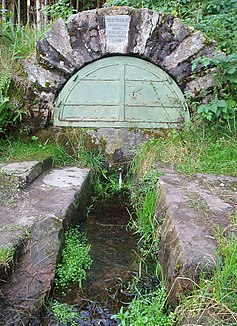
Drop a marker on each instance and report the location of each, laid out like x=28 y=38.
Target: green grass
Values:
x=144 y=194
x=12 y=150
x=75 y=259
x=148 y=309
x=189 y=152
x=91 y=158
x=144 y=197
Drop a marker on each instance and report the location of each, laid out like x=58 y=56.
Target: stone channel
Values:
x=41 y=204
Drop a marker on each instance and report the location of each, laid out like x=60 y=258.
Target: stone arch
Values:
x=160 y=39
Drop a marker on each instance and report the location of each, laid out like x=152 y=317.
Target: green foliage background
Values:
x=216 y=18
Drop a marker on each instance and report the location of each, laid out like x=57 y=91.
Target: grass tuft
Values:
x=6 y=256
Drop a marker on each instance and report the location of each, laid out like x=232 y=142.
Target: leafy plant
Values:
x=64 y=314
x=219 y=110
x=226 y=64
x=147 y=310
x=60 y=9
x=75 y=259
x=222 y=108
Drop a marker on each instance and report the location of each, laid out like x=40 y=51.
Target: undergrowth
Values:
x=149 y=307
x=189 y=151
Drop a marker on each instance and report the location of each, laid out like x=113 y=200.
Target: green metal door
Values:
x=120 y=91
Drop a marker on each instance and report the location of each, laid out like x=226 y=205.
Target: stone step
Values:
x=26 y=172
x=13 y=177
x=45 y=208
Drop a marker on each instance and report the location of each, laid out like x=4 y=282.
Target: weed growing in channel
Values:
x=147 y=310
x=64 y=314
x=90 y=157
x=6 y=256
x=108 y=184
x=75 y=259
x=144 y=197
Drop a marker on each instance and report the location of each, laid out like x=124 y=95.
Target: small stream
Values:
x=113 y=247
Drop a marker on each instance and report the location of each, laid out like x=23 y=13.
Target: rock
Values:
x=188 y=209
x=200 y=86
x=122 y=139
x=186 y=49
x=148 y=22
x=179 y=30
x=26 y=172
x=59 y=39
x=45 y=79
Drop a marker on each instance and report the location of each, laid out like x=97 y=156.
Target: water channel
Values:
x=113 y=251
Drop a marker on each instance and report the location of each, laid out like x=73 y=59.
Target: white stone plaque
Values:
x=117 y=28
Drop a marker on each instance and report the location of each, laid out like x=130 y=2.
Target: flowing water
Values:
x=113 y=247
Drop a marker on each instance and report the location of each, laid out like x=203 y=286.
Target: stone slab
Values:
x=191 y=208
x=26 y=172
x=50 y=204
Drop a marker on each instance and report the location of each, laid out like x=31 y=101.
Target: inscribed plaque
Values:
x=117 y=28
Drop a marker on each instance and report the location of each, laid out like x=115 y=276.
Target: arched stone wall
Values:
x=160 y=39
